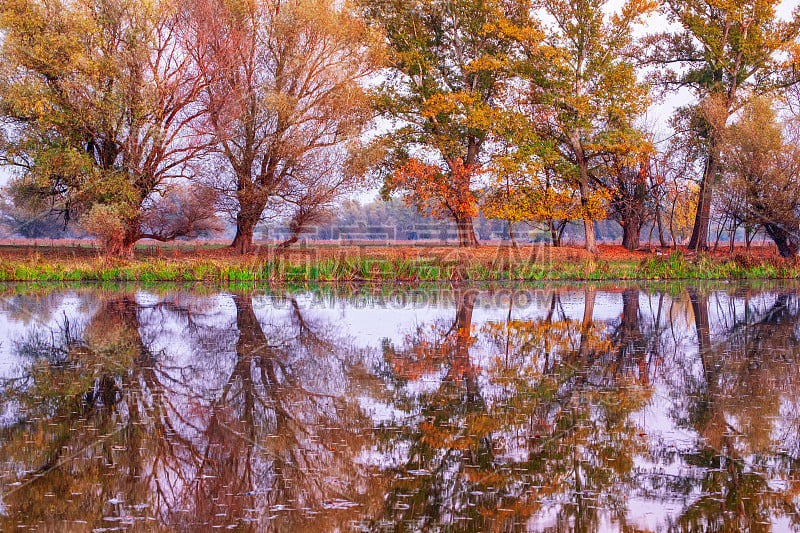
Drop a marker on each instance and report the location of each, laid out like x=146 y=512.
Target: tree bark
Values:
x=583 y=169
x=290 y=241
x=554 y=235
x=466 y=232
x=245 y=227
x=511 y=234
x=787 y=246
x=124 y=247
x=660 y=223
x=630 y=235
x=699 y=240
x=588 y=229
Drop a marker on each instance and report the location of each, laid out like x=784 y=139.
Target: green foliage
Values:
x=448 y=65
x=85 y=97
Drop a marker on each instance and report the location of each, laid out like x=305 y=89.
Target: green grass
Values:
x=673 y=267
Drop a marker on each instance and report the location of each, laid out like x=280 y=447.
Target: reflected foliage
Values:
x=241 y=423
x=579 y=409
x=542 y=426
x=742 y=404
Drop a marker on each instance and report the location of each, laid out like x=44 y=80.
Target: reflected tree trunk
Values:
x=586 y=324
x=461 y=367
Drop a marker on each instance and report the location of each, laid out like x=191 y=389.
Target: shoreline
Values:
x=387 y=265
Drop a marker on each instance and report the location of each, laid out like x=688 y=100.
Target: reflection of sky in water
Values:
x=300 y=409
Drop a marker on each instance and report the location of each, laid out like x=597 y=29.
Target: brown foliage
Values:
x=284 y=92
x=183 y=211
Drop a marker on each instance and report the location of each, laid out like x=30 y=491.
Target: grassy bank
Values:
x=356 y=265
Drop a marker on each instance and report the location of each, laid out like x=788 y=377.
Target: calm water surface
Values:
x=464 y=408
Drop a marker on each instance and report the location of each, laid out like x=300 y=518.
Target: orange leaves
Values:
x=436 y=192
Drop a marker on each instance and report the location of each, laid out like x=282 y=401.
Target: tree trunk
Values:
x=466 y=232
x=588 y=228
x=128 y=245
x=124 y=245
x=511 y=234
x=787 y=246
x=555 y=236
x=583 y=169
x=699 y=240
x=719 y=236
x=660 y=223
x=290 y=241
x=630 y=236
x=561 y=229
x=245 y=227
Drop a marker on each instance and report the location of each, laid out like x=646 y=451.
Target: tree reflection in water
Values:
x=743 y=406
x=584 y=411
x=541 y=429
x=110 y=432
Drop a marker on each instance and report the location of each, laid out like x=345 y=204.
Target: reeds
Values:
x=357 y=268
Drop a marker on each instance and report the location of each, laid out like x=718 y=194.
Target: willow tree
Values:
x=98 y=101
x=442 y=90
x=724 y=51
x=582 y=92
x=284 y=93
x=761 y=161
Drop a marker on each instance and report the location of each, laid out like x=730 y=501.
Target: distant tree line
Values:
x=393 y=220
x=160 y=119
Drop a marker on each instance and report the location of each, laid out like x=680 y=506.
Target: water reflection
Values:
x=228 y=423
x=540 y=434
x=572 y=408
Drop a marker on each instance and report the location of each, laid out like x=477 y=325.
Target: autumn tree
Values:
x=627 y=179
x=723 y=51
x=442 y=88
x=761 y=161
x=527 y=187
x=680 y=200
x=285 y=91
x=582 y=90
x=97 y=101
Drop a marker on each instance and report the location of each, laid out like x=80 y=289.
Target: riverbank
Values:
x=385 y=264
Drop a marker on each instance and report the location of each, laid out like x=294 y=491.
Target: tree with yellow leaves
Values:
x=724 y=51
x=98 y=101
x=525 y=188
x=581 y=90
x=448 y=64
